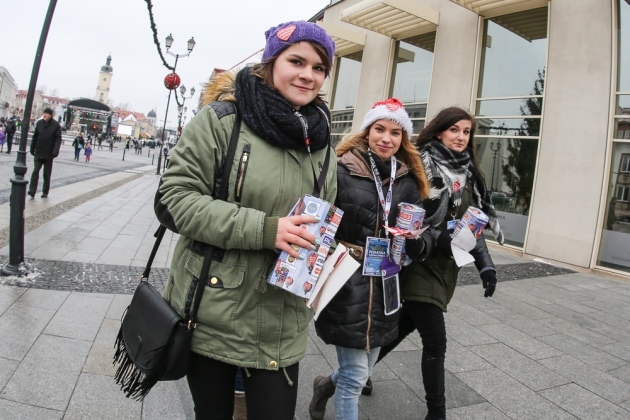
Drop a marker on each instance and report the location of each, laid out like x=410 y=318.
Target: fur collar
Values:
x=356 y=165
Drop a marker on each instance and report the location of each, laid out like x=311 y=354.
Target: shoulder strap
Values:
x=221 y=195
x=321 y=179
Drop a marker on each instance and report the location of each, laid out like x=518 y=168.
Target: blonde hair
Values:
x=407 y=153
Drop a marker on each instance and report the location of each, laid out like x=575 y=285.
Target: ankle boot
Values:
x=433 y=380
x=240 y=408
x=323 y=390
x=367 y=389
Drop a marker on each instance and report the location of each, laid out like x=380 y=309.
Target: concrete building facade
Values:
x=548 y=82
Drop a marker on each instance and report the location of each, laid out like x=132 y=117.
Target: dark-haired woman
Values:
x=283 y=148
x=447 y=149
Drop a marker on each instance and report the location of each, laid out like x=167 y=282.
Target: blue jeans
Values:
x=355 y=367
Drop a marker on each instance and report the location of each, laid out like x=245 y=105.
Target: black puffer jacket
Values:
x=355 y=317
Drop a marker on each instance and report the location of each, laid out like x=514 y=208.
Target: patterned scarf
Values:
x=447 y=172
x=272 y=118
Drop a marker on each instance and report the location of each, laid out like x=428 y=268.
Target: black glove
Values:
x=489 y=280
x=414 y=247
x=444 y=242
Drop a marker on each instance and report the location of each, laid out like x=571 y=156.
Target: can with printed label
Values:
x=410 y=217
x=474 y=219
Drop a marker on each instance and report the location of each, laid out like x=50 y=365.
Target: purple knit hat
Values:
x=281 y=36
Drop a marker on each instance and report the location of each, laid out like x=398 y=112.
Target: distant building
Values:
x=8 y=88
x=104 y=81
x=19 y=103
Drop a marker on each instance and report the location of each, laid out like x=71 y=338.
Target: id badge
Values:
x=391 y=293
x=375 y=252
x=451 y=224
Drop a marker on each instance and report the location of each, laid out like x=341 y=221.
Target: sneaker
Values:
x=367 y=389
x=32 y=195
x=44 y=195
x=323 y=390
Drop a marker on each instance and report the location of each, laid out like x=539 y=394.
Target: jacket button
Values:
x=213 y=280
x=273 y=364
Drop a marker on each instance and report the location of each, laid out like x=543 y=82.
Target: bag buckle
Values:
x=143 y=278
x=191 y=326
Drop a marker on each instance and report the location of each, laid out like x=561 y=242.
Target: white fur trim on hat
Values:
x=390 y=109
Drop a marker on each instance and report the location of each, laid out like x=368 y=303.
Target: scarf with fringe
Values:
x=447 y=172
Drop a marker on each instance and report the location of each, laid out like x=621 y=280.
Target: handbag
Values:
x=154 y=341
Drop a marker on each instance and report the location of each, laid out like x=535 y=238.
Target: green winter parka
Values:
x=242 y=320
x=433 y=280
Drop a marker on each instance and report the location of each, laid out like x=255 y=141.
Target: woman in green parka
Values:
x=283 y=146
x=447 y=149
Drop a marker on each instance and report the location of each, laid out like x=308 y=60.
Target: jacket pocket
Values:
x=242 y=171
x=222 y=294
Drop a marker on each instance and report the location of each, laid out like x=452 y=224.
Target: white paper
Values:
x=461 y=244
x=332 y=279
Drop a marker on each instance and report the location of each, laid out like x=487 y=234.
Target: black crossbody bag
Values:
x=154 y=341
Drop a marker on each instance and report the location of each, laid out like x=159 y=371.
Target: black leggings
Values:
x=267 y=392
x=428 y=319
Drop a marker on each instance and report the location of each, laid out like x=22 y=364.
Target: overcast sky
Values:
x=84 y=32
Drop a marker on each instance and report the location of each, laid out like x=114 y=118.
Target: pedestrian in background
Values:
x=45 y=146
x=378 y=168
x=10 y=132
x=78 y=144
x=447 y=149
x=3 y=136
x=88 y=152
x=285 y=131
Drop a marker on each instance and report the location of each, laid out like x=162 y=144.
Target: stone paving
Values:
x=552 y=343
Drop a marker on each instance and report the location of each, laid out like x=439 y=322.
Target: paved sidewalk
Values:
x=550 y=344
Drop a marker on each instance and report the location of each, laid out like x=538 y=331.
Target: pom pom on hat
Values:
x=391 y=109
x=285 y=34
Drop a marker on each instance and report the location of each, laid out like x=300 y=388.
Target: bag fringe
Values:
x=133 y=382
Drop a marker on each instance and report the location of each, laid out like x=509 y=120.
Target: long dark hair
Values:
x=443 y=121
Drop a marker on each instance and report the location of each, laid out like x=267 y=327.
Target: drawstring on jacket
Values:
x=286 y=375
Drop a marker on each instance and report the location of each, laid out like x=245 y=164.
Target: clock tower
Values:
x=104 y=80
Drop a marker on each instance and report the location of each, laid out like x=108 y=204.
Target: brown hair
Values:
x=407 y=153
x=445 y=119
x=264 y=70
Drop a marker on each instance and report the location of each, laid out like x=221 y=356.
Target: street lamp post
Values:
x=18 y=183
x=182 y=109
x=168 y=43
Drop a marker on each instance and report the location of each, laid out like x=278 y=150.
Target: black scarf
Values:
x=444 y=168
x=272 y=118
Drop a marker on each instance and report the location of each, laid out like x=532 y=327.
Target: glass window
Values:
x=346 y=87
x=509 y=113
x=508 y=165
x=411 y=76
x=514 y=54
x=623 y=28
x=614 y=246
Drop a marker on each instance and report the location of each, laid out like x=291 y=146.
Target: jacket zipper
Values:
x=242 y=170
x=369 y=325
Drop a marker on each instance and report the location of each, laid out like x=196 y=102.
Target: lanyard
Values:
x=386 y=202
x=319 y=181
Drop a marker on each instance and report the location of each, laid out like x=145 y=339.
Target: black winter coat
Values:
x=355 y=317
x=11 y=128
x=46 y=139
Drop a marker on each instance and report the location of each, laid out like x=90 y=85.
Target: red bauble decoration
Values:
x=172 y=81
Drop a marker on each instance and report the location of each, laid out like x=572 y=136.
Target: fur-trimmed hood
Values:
x=220 y=87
